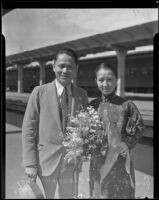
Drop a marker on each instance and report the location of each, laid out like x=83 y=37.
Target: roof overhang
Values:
x=127 y=38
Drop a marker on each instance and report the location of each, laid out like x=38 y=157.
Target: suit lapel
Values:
x=53 y=99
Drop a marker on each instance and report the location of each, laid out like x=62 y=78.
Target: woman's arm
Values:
x=134 y=127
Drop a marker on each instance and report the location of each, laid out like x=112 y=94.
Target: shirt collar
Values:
x=61 y=87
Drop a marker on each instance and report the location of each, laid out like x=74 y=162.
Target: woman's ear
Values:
x=95 y=81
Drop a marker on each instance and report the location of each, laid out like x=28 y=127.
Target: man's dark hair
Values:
x=69 y=52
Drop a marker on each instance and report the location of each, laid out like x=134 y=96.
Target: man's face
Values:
x=64 y=69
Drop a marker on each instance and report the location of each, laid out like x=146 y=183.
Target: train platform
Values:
x=14 y=172
x=15 y=101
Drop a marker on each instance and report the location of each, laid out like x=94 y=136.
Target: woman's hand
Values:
x=31 y=172
x=123 y=149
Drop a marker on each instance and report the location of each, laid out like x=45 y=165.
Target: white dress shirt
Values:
x=60 y=89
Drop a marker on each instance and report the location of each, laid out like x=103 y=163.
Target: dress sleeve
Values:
x=134 y=127
x=94 y=103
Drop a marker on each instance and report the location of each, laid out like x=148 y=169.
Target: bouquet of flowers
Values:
x=85 y=135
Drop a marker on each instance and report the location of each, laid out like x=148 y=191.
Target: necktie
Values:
x=64 y=108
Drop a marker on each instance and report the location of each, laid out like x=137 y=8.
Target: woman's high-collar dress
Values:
x=116 y=184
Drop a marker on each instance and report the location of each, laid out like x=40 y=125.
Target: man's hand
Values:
x=31 y=172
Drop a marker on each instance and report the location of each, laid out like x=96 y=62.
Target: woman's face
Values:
x=106 y=81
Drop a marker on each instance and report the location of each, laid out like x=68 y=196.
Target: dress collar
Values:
x=108 y=98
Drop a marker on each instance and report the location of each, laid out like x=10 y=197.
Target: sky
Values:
x=28 y=29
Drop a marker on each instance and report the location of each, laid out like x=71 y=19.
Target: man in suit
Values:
x=44 y=127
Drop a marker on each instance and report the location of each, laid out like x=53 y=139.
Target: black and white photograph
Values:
x=79 y=103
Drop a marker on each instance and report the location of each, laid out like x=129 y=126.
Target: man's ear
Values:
x=53 y=65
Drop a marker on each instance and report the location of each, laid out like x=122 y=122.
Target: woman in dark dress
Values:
x=111 y=174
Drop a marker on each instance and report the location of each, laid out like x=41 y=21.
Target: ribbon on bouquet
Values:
x=113 y=128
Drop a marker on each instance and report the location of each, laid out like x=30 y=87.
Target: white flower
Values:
x=76 y=134
x=92 y=130
x=77 y=141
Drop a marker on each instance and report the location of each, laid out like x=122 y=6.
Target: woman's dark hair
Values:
x=69 y=52
x=106 y=65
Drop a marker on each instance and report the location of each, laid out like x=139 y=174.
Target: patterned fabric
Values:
x=117 y=183
x=64 y=108
x=108 y=98
x=131 y=112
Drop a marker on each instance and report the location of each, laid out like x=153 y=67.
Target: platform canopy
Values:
x=128 y=38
